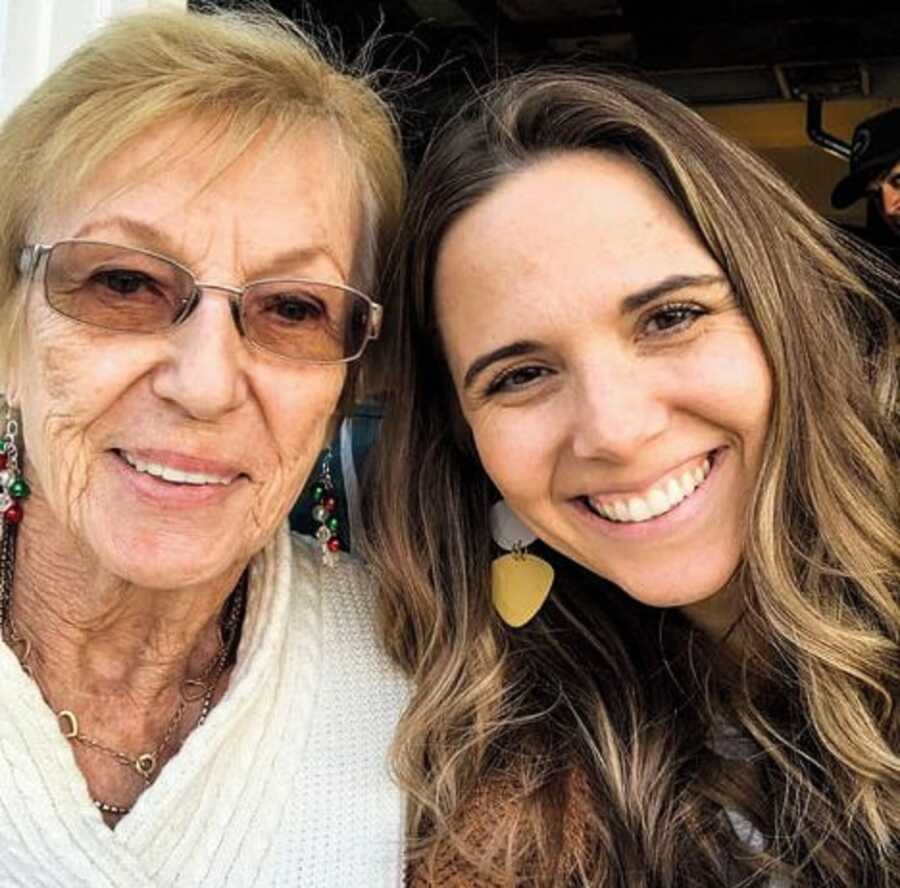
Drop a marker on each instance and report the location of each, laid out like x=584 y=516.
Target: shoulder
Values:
x=348 y=573
x=498 y=819
x=346 y=595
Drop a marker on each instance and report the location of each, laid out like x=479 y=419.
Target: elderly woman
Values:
x=193 y=206
x=625 y=337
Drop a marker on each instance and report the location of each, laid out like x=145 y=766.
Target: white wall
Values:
x=35 y=35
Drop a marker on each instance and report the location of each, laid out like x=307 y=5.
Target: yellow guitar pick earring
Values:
x=520 y=583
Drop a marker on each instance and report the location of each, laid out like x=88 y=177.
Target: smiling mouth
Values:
x=171 y=475
x=661 y=499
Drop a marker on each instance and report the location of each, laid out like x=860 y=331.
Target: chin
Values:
x=147 y=546
x=681 y=585
x=170 y=573
x=160 y=560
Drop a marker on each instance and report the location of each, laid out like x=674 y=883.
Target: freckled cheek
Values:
x=736 y=386
x=518 y=454
x=77 y=368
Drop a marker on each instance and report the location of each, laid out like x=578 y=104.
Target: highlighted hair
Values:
x=594 y=746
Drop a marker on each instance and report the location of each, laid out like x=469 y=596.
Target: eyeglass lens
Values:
x=124 y=289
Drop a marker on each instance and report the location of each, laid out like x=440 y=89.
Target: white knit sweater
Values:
x=286 y=784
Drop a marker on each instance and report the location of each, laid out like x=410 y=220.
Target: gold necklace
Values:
x=201 y=688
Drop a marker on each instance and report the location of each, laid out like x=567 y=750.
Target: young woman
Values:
x=683 y=383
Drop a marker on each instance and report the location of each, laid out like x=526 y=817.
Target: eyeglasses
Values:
x=136 y=291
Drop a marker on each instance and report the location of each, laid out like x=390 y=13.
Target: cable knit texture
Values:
x=286 y=783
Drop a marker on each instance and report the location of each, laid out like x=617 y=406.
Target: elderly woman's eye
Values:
x=295 y=309
x=122 y=281
x=672 y=318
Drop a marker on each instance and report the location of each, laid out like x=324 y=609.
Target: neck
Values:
x=719 y=616
x=97 y=635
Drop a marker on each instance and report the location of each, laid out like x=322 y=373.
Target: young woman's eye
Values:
x=672 y=318
x=516 y=378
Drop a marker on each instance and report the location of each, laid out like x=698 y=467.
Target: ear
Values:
x=11 y=378
x=11 y=370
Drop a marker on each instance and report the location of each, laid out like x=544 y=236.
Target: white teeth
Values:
x=638 y=510
x=674 y=492
x=659 y=500
x=167 y=473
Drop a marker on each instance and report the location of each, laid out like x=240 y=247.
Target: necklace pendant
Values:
x=68 y=724
x=192 y=689
x=21 y=647
x=145 y=764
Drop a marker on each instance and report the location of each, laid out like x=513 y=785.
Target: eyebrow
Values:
x=672 y=284
x=149 y=237
x=630 y=304
x=513 y=350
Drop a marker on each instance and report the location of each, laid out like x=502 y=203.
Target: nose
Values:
x=205 y=369
x=618 y=408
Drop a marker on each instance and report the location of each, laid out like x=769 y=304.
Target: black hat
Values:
x=876 y=147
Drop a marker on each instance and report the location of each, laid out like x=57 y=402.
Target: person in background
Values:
x=635 y=514
x=194 y=212
x=875 y=174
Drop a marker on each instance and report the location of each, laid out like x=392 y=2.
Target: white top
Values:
x=285 y=784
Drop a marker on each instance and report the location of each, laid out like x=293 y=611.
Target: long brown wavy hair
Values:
x=611 y=743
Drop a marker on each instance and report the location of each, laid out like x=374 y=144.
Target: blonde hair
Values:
x=596 y=730
x=246 y=71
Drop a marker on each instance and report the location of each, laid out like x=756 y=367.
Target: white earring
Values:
x=520 y=582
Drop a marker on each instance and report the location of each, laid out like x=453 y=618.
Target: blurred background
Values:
x=751 y=66
x=767 y=71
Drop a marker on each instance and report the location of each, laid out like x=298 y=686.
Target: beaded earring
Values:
x=520 y=582
x=13 y=486
x=324 y=513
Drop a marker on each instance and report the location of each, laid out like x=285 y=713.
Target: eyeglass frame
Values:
x=31 y=255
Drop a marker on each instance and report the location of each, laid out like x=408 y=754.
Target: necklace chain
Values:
x=201 y=688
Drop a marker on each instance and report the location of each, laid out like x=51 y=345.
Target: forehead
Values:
x=190 y=179
x=586 y=222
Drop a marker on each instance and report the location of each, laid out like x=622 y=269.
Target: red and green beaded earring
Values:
x=325 y=513
x=13 y=487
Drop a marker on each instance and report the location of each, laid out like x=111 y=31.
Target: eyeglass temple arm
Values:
x=375 y=318
x=30 y=257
